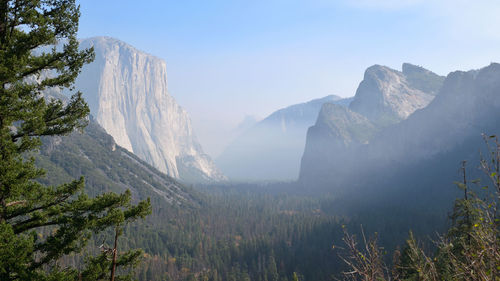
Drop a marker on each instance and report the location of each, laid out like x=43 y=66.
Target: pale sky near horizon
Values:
x=230 y=58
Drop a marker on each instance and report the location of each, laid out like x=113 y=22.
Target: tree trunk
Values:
x=115 y=250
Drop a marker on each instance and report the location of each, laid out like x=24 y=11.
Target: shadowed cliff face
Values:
x=337 y=133
x=421 y=154
x=384 y=98
x=422 y=79
x=127 y=93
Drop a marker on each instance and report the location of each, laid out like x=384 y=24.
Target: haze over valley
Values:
x=249 y=141
x=392 y=148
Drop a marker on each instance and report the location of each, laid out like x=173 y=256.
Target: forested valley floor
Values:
x=272 y=231
x=259 y=232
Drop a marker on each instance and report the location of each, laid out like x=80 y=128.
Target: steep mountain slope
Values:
x=271 y=149
x=337 y=133
x=418 y=158
x=384 y=98
x=466 y=106
x=422 y=79
x=387 y=96
x=106 y=167
x=126 y=90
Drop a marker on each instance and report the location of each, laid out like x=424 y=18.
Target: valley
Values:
x=288 y=142
x=273 y=230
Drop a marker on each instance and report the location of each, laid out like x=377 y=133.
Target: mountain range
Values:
x=417 y=158
x=396 y=119
x=271 y=149
x=389 y=156
x=384 y=98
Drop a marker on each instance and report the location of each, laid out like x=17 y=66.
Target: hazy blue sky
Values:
x=228 y=59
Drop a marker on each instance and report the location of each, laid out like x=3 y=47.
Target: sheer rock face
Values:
x=271 y=149
x=427 y=146
x=384 y=98
x=337 y=132
x=126 y=90
x=467 y=105
x=387 y=96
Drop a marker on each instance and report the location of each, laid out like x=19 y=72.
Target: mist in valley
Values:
x=266 y=141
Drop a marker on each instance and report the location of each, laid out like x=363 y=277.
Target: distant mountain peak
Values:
x=419 y=148
x=383 y=99
x=409 y=68
x=328 y=97
x=271 y=149
x=387 y=96
x=247 y=122
x=116 y=43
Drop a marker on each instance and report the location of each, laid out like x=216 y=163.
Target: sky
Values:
x=228 y=59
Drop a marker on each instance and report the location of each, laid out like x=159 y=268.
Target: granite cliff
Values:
x=419 y=157
x=387 y=96
x=384 y=98
x=126 y=90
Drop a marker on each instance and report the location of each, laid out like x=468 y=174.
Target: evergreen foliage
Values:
x=217 y=232
x=470 y=249
x=40 y=224
x=46 y=222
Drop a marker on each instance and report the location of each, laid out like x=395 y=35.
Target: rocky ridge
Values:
x=421 y=154
x=387 y=96
x=384 y=98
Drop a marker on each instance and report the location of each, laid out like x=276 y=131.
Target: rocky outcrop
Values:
x=421 y=154
x=387 y=96
x=467 y=105
x=272 y=148
x=126 y=90
x=384 y=98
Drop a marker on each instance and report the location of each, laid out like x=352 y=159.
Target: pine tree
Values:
x=30 y=65
x=272 y=273
x=470 y=250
